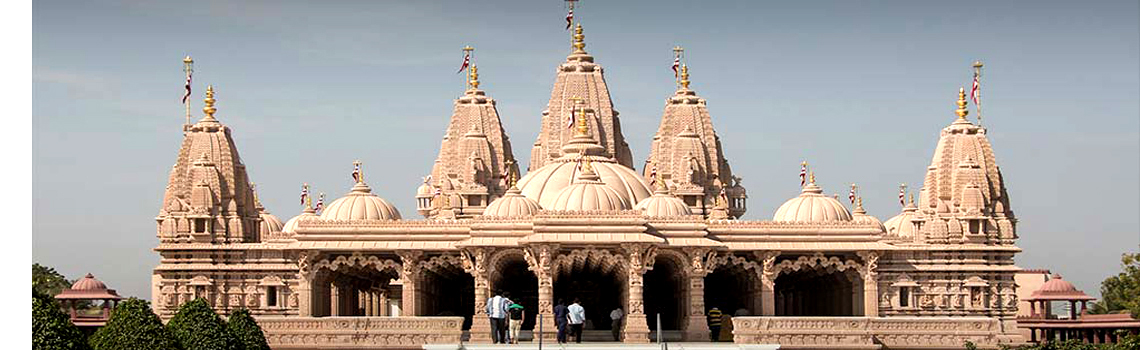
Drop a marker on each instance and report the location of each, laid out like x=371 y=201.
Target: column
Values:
x=696 y=329
x=1073 y=310
x=383 y=303
x=475 y=263
x=410 y=276
x=334 y=299
x=768 y=284
x=870 y=283
x=369 y=302
x=376 y=302
x=635 y=329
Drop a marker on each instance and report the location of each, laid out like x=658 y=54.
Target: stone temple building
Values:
x=581 y=222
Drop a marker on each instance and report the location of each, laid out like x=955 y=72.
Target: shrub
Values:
x=197 y=327
x=133 y=326
x=244 y=329
x=51 y=327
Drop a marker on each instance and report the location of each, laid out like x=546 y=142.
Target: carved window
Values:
x=474 y=201
x=271 y=296
x=199 y=225
x=904 y=296
x=974 y=226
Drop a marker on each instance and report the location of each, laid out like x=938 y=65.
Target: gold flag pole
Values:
x=468 y=52
x=188 y=68
x=573 y=19
x=677 y=51
x=978 y=103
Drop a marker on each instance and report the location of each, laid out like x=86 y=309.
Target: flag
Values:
x=902 y=195
x=653 y=175
x=466 y=62
x=676 y=64
x=320 y=202
x=188 y=80
x=356 y=173
x=974 y=91
x=570 y=18
x=570 y=121
x=304 y=193
x=851 y=195
x=803 y=174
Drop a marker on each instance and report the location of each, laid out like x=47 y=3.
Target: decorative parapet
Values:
x=867 y=332
x=311 y=333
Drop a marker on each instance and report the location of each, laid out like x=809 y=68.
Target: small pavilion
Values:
x=91 y=290
x=1079 y=326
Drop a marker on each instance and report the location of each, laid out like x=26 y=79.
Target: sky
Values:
x=859 y=89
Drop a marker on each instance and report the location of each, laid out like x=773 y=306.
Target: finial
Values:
x=305 y=196
x=187 y=59
x=579 y=40
x=859 y=202
x=962 y=111
x=812 y=177
x=660 y=182
x=677 y=50
x=685 y=76
x=357 y=174
x=977 y=64
x=583 y=128
x=474 y=81
x=209 y=109
x=911 y=198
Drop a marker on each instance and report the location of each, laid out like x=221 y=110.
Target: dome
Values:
x=512 y=204
x=663 y=204
x=544 y=185
x=360 y=204
x=901 y=225
x=88 y=283
x=425 y=190
x=859 y=215
x=290 y=226
x=589 y=193
x=812 y=206
x=270 y=224
x=1058 y=289
x=88 y=288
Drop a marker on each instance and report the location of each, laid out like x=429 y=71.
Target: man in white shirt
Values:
x=616 y=316
x=577 y=315
x=497 y=313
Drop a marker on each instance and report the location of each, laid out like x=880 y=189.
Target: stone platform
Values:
x=604 y=346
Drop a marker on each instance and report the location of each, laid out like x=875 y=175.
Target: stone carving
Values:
x=359 y=332
x=895 y=332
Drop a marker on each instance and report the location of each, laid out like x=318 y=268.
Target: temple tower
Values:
x=963 y=199
x=208 y=197
x=579 y=77
x=474 y=161
x=686 y=153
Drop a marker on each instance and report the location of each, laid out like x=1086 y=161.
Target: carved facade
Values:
x=583 y=223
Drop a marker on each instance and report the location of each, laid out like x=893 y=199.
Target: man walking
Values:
x=577 y=315
x=714 y=323
x=497 y=313
x=560 y=319
x=616 y=316
x=516 y=313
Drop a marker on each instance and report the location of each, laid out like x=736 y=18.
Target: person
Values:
x=714 y=323
x=740 y=312
x=508 y=336
x=560 y=318
x=576 y=315
x=497 y=314
x=616 y=316
x=516 y=313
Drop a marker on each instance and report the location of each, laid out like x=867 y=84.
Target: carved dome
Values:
x=360 y=204
x=812 y=206
x=589 y=193
x=512 y=204
x=663 y=204
x=544 y=185
x=1058 y=289
x=901 y=225
x=270 y=224
x=290 y=226
x=88 y=283
x=860 y=215
x=425 y=190
x=88 y=288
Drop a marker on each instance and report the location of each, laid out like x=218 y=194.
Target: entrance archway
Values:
x=511 y=274
x=446 y=290
x=665 y=292
x=352 y=285
x=731 y=287
x=597 y=279
x=819 y=292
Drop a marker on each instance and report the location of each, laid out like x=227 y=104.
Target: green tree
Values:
x=1121 y=292
x=197 y=327
x=51 y=328
x=47 y=281
x=133 y=326
x=244 y=329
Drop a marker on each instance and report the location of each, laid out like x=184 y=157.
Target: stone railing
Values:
x=313 y=333
x=867 y=332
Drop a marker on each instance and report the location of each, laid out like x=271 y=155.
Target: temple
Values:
x=581 y=222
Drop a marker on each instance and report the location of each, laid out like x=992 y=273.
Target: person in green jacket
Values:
x=515 y=313
x=714 y=323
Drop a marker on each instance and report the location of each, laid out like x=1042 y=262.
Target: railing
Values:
x=312 y=333
x=866 y=332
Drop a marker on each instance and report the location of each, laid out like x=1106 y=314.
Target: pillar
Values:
x=384 y=311
x=475 y=264
x=696 y=329
x=410 y=276
x=870 y=283
x=635 y=329
x=1072 y=310
x=768 y=284
x=334 y=299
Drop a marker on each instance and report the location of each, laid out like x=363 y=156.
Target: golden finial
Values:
x=357 y=172
x=685 y=76
x=912 y=198
x=660 y=182
x=977 y=64
x=962 y=111
x=812 y=177
x=474 y=81
x=579 y=40
x=305 y=193
x=586 y=166
x=583 y=128
x=187 y=60
x=209 y=109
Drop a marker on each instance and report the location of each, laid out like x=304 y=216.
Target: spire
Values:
x=209 y=108
x=812 y=177
x=961 y=111
x=685 y=76
x=579 y=40
x=473 y=78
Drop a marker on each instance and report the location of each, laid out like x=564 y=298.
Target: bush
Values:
x=51 y=327
x=244 y=329
x=133 y=326
x=197 y=327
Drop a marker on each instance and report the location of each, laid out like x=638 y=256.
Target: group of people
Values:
x=717 y=320
x=567 y=319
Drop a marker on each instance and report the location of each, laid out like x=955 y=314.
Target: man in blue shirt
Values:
x=497 y=313
x=560 y=314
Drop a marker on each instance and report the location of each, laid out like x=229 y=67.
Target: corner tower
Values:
x=686 y=153
x=208 y=197
x=474 y=161
x=579 y=77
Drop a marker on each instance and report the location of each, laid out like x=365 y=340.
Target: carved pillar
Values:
x=410 y=276
x=701 y=262
x=384 y=310
x=768 y=282
x=334 y=298
x=305 y=279
x=540 y=259
x=475 y=263
x=870 y=283
x=640 y=259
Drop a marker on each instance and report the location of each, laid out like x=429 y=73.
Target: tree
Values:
x=1121 y=292
x=47 y=281
x=133 y=326
x=51 y=328
x=197 y=327
x=244 y=329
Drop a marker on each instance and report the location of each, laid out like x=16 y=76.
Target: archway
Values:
x=597 y=279
x=665 y=292
x=446 y=290
x=511 y=274
x=352 y=285
x=732 y=287
x=819 y=292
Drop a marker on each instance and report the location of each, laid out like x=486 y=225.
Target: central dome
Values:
x=589 y=193
x=360 y=204
x=812 y=206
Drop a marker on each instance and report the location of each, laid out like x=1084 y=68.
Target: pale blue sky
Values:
x=859 y=89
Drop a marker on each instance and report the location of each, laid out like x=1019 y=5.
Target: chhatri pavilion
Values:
x=582 y=222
